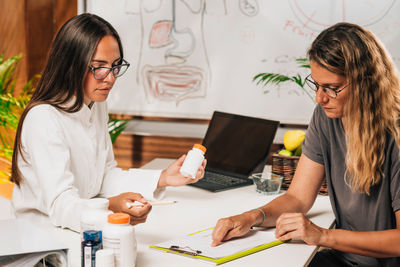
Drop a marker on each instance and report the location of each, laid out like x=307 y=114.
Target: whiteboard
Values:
x=191 y=57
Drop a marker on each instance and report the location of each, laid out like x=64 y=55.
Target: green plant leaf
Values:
x=10 y=107
x=303 y=63
x=7 y=70
x=115 y=128
x=264 y=79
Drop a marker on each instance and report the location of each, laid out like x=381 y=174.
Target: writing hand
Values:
x=137 y=214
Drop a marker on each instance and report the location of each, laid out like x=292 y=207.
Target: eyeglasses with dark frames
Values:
x=100 y=73
x=329 y=91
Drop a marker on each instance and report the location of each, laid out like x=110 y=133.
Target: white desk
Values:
x=199 y=209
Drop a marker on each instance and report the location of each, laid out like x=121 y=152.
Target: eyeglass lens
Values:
x=314 y=86
x=102 y=72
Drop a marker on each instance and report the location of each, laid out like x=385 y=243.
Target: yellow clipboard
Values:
x=196 y=254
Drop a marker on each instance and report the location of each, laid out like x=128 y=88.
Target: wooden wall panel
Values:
x=63 y=11
x=40 y=31
x=133 y=151
x=28 y=27
x=12 y=35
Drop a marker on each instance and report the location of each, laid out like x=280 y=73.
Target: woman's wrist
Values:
x=257 y=216
x=326 y=239
x=162 y=180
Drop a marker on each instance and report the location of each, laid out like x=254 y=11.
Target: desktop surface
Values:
x=198 y=209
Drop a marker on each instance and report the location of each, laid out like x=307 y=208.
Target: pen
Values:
x=153 y=203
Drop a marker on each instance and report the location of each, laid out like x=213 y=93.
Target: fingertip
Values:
x=215 y=243
x=179 y=161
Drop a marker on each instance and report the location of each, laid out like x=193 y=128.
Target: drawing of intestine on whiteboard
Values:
x=173 y=63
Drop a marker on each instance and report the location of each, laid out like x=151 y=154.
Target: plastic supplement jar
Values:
x=89 y=246
x=193 y=160
x=105 y=258
x=95 y=216
x=119 y=236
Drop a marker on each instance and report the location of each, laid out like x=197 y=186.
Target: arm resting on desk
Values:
x=299 y=198
x=385 y=243
x=294 y=224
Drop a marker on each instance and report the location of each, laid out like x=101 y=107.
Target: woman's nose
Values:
x=110 y=77
x=321 y=97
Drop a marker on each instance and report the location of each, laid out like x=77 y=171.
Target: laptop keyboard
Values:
x=221 y=179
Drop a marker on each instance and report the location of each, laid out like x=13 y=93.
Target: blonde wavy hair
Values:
x=372 y=107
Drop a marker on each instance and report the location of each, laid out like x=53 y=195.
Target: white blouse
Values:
x=69 y=160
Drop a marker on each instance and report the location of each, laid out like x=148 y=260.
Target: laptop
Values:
x=236 y=146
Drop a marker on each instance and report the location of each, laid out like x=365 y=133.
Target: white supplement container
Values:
x=105 y=258
x=119 y=236
x=94 y=217
x=193 y=160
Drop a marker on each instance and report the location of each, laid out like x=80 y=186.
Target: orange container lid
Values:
x=202 y=148
x=118 y=218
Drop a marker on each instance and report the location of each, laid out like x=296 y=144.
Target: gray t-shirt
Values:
x=325 y=143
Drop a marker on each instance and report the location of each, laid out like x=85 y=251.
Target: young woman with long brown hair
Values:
x=353 y=140
x=63 y=155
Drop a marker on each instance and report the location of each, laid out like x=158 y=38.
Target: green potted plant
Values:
x=12 y=103
x=275 y=78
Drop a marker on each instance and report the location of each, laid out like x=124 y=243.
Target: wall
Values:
x=28 y=27
x=189 y=58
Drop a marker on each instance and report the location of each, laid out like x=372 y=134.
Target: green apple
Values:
x=285 y=152
x=298 y=151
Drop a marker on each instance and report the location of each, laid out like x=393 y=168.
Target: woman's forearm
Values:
x=377 y=244
x=282 y=204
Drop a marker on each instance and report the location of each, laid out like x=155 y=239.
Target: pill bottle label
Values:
x=193 y=160
x=88 y=256
x=115 y=245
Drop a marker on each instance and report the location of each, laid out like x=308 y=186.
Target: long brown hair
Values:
x=373 y=104
x=67 y=65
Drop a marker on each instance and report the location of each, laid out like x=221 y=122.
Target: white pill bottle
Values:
x=105 y=258
x=193 y=160
x=119 y=236
x=94 y=217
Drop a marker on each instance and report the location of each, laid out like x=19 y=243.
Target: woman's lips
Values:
x=104 y=90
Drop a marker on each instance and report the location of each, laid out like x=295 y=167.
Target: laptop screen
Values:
x=237 y=144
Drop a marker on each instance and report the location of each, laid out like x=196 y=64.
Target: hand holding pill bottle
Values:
x=194 y=159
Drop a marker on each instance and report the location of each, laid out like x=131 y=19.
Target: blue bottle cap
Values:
x=91 y=235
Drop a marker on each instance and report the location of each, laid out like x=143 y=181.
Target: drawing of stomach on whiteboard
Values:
x=319 y=14
x=173 y=64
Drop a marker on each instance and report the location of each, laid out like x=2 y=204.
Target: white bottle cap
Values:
x=98 y=203
x=105 y=258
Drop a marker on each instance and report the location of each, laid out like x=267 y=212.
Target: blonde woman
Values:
x=353 y=139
